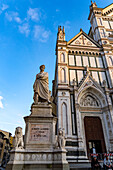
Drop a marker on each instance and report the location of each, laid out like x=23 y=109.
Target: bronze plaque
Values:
x=40 y=133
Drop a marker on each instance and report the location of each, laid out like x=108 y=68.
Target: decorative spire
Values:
x=61 y=33
x=93 y=4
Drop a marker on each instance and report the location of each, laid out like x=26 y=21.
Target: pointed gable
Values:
x=89 y=81
x=83 y=39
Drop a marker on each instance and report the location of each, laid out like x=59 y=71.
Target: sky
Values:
x=28 y=32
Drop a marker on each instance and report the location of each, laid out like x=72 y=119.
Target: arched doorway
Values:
x=94 y=134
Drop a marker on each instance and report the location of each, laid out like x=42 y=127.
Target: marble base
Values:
x=39 y=151
x=30 y=160
x=40 y=128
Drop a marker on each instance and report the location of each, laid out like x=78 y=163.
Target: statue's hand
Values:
x=37 y=76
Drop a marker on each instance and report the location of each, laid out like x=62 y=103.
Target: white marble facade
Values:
x=84 y=84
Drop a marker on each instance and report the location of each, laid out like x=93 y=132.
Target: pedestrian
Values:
x=107 y=163
x=95 y=164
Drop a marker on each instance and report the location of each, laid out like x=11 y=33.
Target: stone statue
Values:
x=41 y=86
x=104 y=83
x=61 y=139
x=18 y=138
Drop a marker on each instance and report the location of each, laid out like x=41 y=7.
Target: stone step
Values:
x=80 y=166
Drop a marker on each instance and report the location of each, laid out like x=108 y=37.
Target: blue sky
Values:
x=28 y=32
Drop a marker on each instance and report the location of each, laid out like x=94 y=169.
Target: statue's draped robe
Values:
x=41 y=85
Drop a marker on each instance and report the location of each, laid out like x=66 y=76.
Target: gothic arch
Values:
x=64 y=121
x=96 y=93
x=63 y=75
x=89 y=100
x=62 y=57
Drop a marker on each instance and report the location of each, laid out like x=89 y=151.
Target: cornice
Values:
x=84 y=68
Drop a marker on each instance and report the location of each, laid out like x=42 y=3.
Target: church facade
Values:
x=83 y=86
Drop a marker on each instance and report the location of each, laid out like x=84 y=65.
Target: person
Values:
x=107 y=163
x=41 y=86
x=93 y=152
x=95 y=164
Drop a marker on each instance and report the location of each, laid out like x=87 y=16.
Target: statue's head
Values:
x=60 y=132
x=42 y=67
x=18 y=131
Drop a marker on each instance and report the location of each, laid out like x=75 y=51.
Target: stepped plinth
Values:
x=40 y=151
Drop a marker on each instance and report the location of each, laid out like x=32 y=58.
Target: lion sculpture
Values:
x=61 y=140
x=18 y=138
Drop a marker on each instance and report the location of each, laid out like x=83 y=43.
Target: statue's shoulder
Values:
x=45 y=73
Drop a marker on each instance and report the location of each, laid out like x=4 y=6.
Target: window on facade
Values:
x=62 y=58
x=102 y=77
x=64 y=117
x=85 y=61
x=78 y=61
x=72 y=76
x=95 y=76
x=79 y=75
x=71 y=60
x=63 y=75
x=106 y=24
x=92 y=61
x=99 y=62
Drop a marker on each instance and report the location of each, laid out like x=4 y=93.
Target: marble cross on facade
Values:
x=83 y=38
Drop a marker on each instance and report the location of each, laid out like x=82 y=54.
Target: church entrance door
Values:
x=94 y=134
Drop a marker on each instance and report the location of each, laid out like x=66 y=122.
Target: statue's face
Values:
x=42 y=68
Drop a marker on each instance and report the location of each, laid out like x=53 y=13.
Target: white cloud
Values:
x=24 y=29
x=3 y=8
x=33 y=14
x=13 y=16
x=57 y=10
x=37 y=31
x=40 y=33
x=45 y=34
x=1 y=104
x=8 y=16
x=17 y=19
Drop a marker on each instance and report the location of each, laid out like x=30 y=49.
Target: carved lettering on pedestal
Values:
x=40 y=133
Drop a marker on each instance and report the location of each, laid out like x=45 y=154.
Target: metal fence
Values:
x=101 y=156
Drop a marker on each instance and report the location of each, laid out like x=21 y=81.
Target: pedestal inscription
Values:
x=40 y=133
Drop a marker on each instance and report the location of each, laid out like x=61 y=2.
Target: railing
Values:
x=101 y=156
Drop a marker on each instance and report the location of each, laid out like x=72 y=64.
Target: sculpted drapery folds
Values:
x=41 y=86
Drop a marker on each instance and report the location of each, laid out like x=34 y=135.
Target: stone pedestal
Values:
x=39 y=151
x=40 y=128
